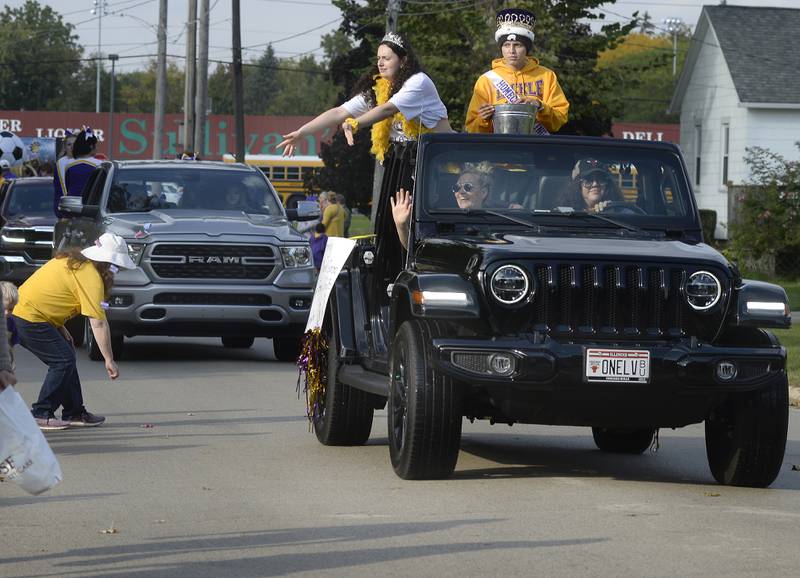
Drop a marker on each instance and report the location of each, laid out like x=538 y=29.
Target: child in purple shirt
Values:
x=318 y=243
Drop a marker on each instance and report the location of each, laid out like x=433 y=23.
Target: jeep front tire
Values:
x=424 y=413
x=746 y=436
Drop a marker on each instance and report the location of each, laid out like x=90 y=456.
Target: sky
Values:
x=294 y=27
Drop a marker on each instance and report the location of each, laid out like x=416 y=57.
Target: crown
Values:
x=516 y=17
x=395 y=39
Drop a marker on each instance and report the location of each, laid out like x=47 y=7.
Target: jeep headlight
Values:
x=510 y=285
x=135 y=252
x=702 y=290
x=299 y=256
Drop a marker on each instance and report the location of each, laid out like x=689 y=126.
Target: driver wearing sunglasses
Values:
x=592 y=188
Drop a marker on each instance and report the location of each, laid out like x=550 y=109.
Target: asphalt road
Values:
x=206 y=467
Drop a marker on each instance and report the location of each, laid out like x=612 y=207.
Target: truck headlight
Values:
x=510 y=285
x=135 y=252
x=299 y=256
x=702 y=290
x=12 y=236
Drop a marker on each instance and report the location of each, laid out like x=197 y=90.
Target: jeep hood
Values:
x=213 y=224
x=457 y=252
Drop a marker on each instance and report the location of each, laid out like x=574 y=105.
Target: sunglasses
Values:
x=468 y=187
x=599 y=179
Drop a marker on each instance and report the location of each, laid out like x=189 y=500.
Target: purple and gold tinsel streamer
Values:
x=313 y=365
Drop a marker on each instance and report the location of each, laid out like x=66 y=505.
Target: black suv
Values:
x=532 y=310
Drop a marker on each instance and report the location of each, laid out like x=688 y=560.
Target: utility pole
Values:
x=238 y=83
x=191 y=65
x=100 y=8
x=113 y=58
x=674 y=25
x=201 y=96
x=392 y=14
x=161 y=81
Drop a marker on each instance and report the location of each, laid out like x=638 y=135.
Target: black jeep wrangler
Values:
x=528 y=309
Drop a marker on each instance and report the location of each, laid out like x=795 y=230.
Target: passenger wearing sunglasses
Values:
x=471 y=190
x=593 y=187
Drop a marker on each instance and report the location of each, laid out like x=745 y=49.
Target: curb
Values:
x=794 y=396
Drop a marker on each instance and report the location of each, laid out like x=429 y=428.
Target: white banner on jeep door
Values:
x=337 y=251
x=625 y=365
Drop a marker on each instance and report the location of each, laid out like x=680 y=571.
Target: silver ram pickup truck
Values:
x=215 y=251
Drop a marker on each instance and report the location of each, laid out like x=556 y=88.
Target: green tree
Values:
x=261 y=82
x=82 y=92
x=220 y=82
x=641 y=67
x=136 y=90
x=38 y=56
x=303 y=88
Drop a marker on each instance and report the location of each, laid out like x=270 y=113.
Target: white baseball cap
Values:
x=4 y=164
x=110 y=248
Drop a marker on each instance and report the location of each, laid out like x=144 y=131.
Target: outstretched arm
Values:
x=376 y=114
x=328 y=119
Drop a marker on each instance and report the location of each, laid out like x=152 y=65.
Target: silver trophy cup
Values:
x=515 y=118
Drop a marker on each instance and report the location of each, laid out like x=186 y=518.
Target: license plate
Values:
x=617 y=365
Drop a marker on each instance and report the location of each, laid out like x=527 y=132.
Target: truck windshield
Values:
x=30 y=199
x=640 y=186
x=192 y=189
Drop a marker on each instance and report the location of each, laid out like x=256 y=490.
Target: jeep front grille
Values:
x=610 y=300
x=195 y=261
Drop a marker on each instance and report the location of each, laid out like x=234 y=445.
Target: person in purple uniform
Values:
x=83 y=164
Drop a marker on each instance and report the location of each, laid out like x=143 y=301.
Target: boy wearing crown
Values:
x=516 y=78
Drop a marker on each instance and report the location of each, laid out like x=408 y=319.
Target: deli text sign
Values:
x=133 y=133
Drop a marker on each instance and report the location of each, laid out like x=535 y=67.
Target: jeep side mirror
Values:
x=305 y=211
x=74 y=207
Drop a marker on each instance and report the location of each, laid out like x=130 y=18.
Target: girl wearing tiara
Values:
x=397 y=99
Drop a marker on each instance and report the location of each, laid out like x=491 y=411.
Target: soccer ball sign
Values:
x=12 y=149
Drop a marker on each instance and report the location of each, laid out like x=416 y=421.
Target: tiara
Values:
x=518 y=17
x=394 y=38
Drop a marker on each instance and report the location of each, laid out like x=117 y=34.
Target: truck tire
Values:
x=623 y=441
x=117 y=344
x=286 y=348
x=424 y=412
x=238 y=342
x=346 y=418
x=76 y=329
x=746 y=436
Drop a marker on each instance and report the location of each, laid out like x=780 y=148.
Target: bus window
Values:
x=279 y=173
x=292 y=173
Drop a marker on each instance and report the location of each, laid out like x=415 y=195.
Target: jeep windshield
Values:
x=143 y=189
x=556 y=184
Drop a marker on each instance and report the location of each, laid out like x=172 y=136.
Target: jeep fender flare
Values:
x=445 y=296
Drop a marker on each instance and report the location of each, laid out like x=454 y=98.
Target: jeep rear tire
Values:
x=238 y=342
x=117 y=344
x=286 y=348
x=346 y=418
x=746 y=436
x=424 y=413
x=623 y=441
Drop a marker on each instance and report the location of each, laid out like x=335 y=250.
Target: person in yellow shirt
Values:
x=517 y=77
x=333 y=215
x=73 y=282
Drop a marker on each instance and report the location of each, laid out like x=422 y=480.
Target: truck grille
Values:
x=190 y=261
x=211 y=299
x=41 y=253
x=610 y=300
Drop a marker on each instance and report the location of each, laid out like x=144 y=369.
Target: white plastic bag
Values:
x=25 y=456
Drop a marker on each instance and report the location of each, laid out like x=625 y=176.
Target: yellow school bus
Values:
x=285 y=173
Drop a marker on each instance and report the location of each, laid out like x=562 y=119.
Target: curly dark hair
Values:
x=76 y=259
x=410 y=65
x=572 y=196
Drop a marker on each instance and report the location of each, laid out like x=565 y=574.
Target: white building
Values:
x=740 y=87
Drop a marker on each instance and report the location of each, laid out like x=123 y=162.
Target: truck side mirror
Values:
x=74 y=207
x=305 y=211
